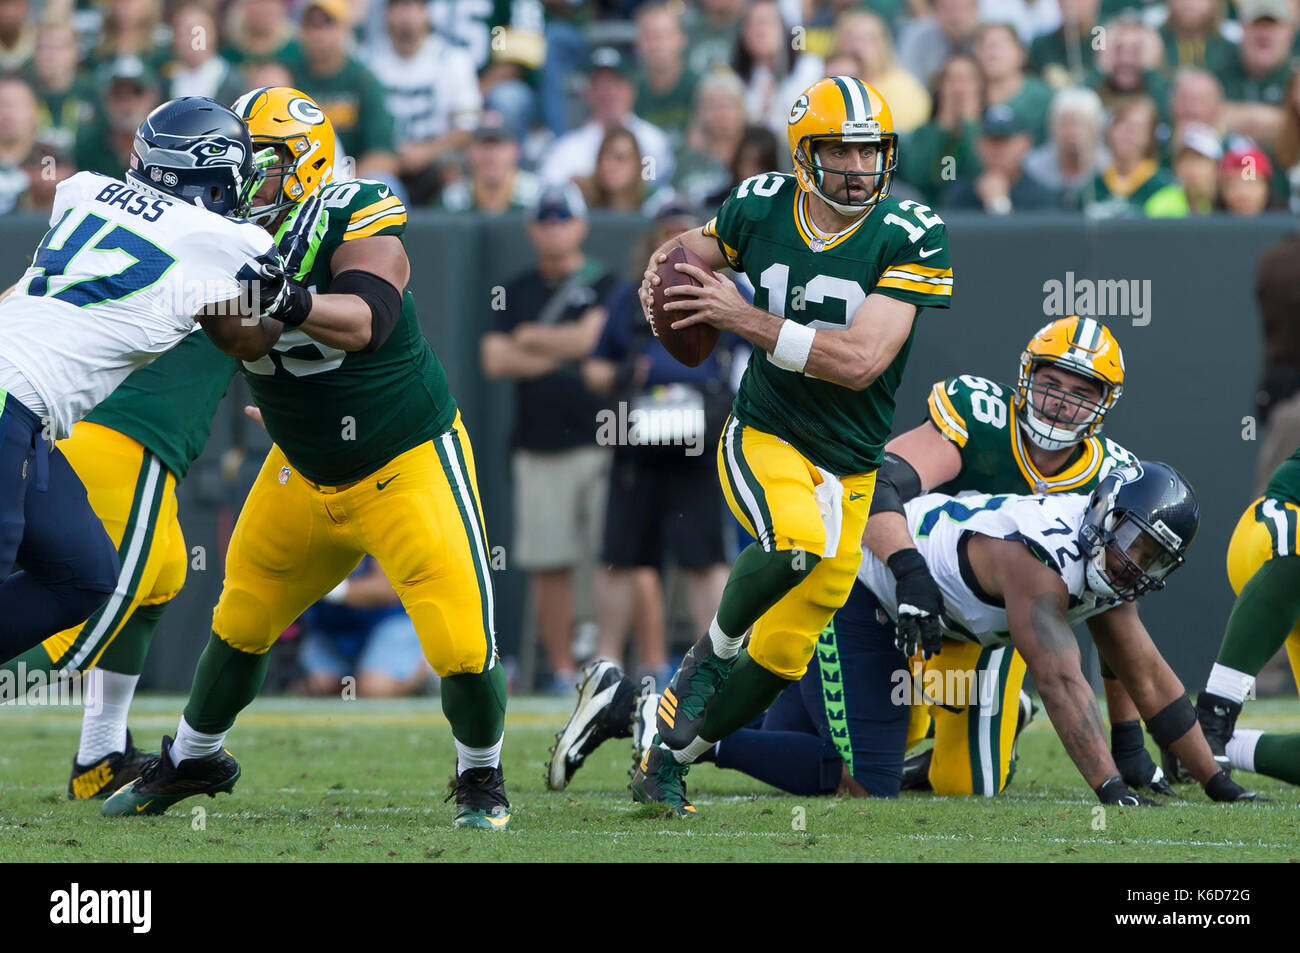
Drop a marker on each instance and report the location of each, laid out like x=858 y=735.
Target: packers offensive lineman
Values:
x=1264 y=569
x=840 y=271
x=132 y=452
x=370 y=456
x=126 y=269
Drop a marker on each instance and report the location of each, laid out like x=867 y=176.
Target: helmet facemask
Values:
x=284 y=162
x=1074 y=417
x=1140 y=556
x=813 y=174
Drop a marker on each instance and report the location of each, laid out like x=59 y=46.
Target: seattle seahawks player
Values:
x=370 y=456
x=841 y=270
x=122 y=275
x=1020 y=570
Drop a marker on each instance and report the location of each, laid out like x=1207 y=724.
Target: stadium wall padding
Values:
x=1193 y=362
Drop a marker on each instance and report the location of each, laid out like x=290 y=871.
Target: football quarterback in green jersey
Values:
x=840 y=271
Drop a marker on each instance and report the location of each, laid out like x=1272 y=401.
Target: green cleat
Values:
x=481 y=801
x=161 y=784
x=660 y=779
x=684 y=702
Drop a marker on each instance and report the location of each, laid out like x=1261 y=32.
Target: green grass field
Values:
x=364 y=781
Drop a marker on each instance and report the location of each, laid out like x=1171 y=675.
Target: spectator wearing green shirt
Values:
x=998 y=51
x=1191 y=37
x=1134 y=174
x=348 y=92
x=1001 y=186
x=1196 y=96
x=495 y=183
x=64 y=95
x=942 y=150
x=260 y=31
x=129 y=28
x=712 y=28
x=1067 y=55
x=1129 y=66
x=17 y=35
x=130 y=91
x=665 y=87
x=1255 y=83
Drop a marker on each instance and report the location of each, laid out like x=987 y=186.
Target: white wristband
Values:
x=793 y=345
x=337 y=594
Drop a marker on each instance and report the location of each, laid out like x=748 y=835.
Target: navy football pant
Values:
x=69 y=563
x=843 y=712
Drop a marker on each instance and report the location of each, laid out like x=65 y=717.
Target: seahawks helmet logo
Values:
x=1128 y=474
x=306 y=111
x=799 y=109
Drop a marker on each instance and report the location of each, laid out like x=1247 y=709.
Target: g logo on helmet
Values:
x=306 y=111
x=799 y=108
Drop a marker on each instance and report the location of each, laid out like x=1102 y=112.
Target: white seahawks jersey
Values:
x=116 y=282
x=1048 y=525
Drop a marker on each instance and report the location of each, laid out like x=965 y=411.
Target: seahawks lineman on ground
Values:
x=370 y=456
x=840 y=272
x=1024 y=569
x=121 y=276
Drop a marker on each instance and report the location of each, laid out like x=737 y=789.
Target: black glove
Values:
x=1221 y=787
x=920 y=604
x=278 y=297
x=1173 y=768
x=1115 y=791
x=1128 y=747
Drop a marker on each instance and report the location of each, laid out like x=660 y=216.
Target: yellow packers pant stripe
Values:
x=975 y=728
x=785 y=637
x=133 y=494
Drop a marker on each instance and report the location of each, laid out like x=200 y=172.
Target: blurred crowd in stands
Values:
x=1105 y=107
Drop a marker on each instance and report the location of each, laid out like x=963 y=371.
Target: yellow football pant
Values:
x=135 y=496
x=1268 y=528
x=418 y=515
x=791 y=505
x=972 y=692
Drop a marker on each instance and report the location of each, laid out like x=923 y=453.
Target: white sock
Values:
x=694 y=748
x=1241 y=748
x=1230 y=684
x=191 y=744
x=467 y=757
x=724 y=646
x=103 y=723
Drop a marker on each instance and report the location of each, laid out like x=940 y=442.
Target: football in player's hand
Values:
x=690 y=346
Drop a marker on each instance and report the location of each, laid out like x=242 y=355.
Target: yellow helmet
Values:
x=1082 y=346
x=301 y=141
x=844 y=108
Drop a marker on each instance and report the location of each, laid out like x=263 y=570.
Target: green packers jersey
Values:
x=340 y=415
x=899 y=249
x=979 y=416
x=1284 y=484
x=168 y=405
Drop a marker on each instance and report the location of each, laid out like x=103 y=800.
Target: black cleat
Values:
x=606 y=699
x=103 y=777
x=660 y=779
x=481 y=799
x=161 y=784
x=1218 y=718
x=683 y=703
x=916 y=771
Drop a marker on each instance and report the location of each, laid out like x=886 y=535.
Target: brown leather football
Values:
x=689 y=346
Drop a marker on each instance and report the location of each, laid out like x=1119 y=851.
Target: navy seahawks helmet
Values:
x=1145 y=516
x=199 y=151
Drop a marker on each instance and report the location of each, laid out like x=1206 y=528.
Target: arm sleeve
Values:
x=920 y=272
